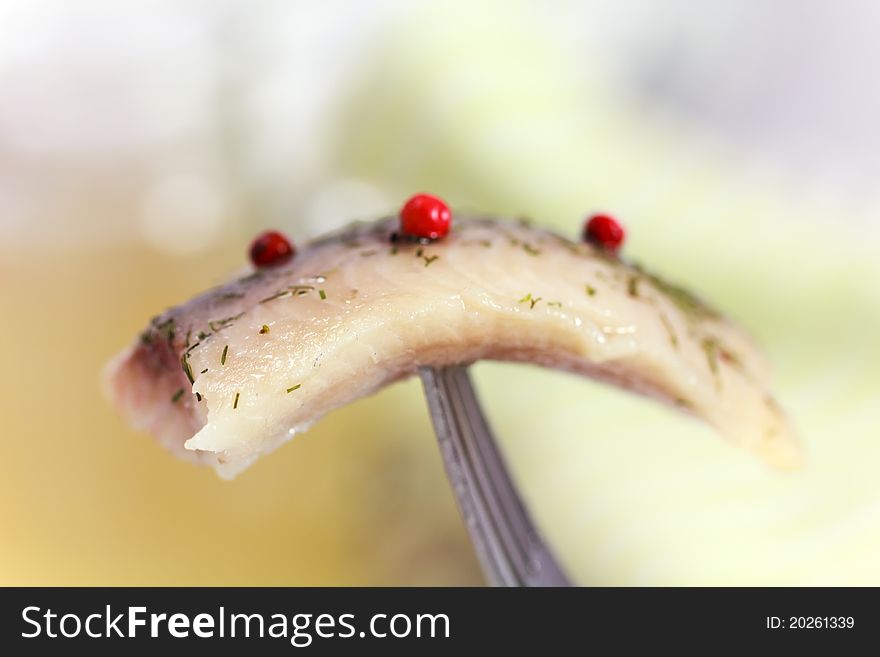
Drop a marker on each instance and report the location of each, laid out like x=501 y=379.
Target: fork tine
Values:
x=507 y=543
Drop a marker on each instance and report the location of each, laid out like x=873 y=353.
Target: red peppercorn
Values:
x=604 y=231
x=271 y=249
x=425 y=216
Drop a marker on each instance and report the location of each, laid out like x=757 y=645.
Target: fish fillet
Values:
x=240 y=369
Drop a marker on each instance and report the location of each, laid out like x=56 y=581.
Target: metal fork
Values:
x=507 y=543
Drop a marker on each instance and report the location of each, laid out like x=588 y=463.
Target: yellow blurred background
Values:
x=142 y=144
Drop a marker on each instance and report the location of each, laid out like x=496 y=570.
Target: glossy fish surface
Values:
x=240 y=369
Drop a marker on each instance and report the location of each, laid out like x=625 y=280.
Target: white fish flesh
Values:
x=240 y=369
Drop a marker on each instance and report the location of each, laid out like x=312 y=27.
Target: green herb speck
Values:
x=632 y=286
x=220 y=324
x=230 y=295
x=710 y=347
x=591 y=291
x=167 y=328
x=184 y=363
x=176 y=396
x=296 y=387
x=673 y=338
x=235 y=402
x=322 y=294
x=223 y=355
x=264 y=329
x=429 y=259
x=277 y=295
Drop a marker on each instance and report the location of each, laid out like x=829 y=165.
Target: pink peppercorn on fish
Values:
x=240 y=369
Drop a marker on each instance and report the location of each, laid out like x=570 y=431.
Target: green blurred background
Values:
x=142 y=144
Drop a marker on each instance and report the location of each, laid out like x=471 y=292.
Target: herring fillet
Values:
x=240 y=369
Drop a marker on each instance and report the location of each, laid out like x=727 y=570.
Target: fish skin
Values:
x=358 y=309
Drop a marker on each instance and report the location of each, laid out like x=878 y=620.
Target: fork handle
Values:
x=507 y=543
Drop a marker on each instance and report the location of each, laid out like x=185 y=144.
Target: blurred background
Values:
x=143 y=143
